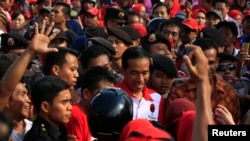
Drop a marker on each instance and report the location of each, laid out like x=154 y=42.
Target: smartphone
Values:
x=245 y=47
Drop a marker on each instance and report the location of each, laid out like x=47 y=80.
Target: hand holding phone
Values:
x=245 y=47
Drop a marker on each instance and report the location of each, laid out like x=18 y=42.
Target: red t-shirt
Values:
x=78 y=124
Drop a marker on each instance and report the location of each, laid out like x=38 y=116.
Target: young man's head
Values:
x=95 y=56
x=93 y=80
x=229 y=31
x=227 y=67
x=63 y=64
x=213 y=17
x=190 y=30
x=223 y=6
x=171 y=29
x=87 y=4
x=120 y=41
x=160 y=10
x=135 y=65
x=162 y=74
x=92 y=18
x=60 y=13
x=210 y=49
x=52 y=100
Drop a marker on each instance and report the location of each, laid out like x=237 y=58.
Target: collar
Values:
x=146 y=91
x=47 y=127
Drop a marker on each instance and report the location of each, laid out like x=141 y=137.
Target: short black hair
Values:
x=92 y=52
x=160 y=4
x=222 y=1
x=92 y=76
x=133 y=53
x=17 y=13
x=66 y=7
x=46 y=89
x=57 y=58
x=6 y=125
x=171 y=22
x=206 y=43
x=231 y=25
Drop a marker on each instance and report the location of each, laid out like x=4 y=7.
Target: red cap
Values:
x=191 y=23
x=234 y=13
x=93 y=11
x=139 y=27
x=30 y=1
x=137 y=7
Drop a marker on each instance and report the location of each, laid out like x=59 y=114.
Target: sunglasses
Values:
x=223 y=68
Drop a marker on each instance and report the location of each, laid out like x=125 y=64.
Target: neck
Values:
x=117 y=65
x=45 y=117
x=19 y=125
x=62 y=25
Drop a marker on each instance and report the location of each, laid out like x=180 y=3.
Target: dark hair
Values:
x=92 y=52
x=206 y=43
x=17 y=13
x=66 y=7
x=46 y=89
x=56 y=58
x=222 y=1
x=231 y=25
x=171 y=22
x=133 y=53
x=92 y=76
x=160 y=4
x=6 y=125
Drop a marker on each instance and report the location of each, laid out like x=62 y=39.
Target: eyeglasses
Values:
x=223 y=68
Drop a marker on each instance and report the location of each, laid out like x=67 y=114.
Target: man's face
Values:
x=160 y=48
x=91 y=21
x=69 y=71
x=220 y=6
x=137 y=74
x=59 y=111
x=161 y=11
x=44 y=16
x=19 y=102
x=246 y=26
x=33 y=8
x=211 y=55
x=228 y=35
x=212 y=20
x=228 y=71
x=5 y=4
x=188 y=35
x=169 y=3
x=102 y=60
x=171 y=32
x=76 y=3
x=57 y=15
x=161 y=81
x=119 y=46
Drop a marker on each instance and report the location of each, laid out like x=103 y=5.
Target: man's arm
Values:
x=199 y=73
x=39 y=44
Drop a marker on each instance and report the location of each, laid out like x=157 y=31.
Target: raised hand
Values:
x=197 y=63
x=42 y=38
x=223 y=116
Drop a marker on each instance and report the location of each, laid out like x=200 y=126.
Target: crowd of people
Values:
x=122 y=70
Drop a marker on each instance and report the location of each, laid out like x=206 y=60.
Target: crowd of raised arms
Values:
x=123 y=70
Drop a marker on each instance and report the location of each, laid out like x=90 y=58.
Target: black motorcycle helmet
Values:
x=109 y=111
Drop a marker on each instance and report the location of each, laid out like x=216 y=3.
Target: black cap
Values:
x=164 y=64
x=13 y=41
x=225 y=57
x=96 y=32
x=154 y=38
x=132 y=32
x=101 y=42
x=122 y=35
x=115 y=14
x=213 y=33
x=6 y=60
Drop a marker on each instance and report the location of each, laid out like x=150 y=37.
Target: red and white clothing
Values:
x=78 y=124
x=150 y=107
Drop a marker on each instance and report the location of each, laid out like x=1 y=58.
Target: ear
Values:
x=45 y=107
x=86 y=94
x=55 y=70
